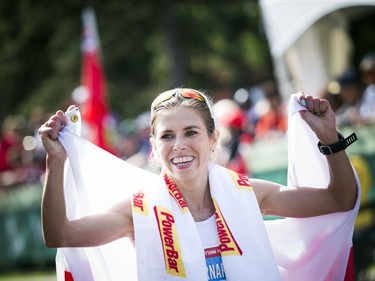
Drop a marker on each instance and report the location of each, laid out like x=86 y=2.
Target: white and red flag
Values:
x=94 y=109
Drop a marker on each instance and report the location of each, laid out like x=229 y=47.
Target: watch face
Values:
x=326 y=150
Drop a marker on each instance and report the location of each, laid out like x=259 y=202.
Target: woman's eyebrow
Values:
x=192 y=127
x=166 y=131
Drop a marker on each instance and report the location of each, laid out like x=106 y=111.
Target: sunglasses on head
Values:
x=185 y=93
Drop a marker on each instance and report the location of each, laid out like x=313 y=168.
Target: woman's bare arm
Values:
x=341 y=193
x=58 y=231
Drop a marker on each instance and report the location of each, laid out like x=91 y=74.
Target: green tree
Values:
x=147 y=47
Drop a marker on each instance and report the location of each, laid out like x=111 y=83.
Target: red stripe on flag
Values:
x=68 y=276
x=350 y=275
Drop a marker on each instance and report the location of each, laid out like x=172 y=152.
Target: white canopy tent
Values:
x=309 y=40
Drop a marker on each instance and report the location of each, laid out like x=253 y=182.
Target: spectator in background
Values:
x=237 y=124
x=5 y=145
x=232 y=123
x=350 y=89
x=142 y=135
x=246 y=99
x=127 y=144
x=367 y=107
x=274 y=121
x=331 y=92
x=12 y=171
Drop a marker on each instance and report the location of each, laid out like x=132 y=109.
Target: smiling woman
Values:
x=180 y=100
x=197 y=216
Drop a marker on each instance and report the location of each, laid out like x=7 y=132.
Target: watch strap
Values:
x=342 y=144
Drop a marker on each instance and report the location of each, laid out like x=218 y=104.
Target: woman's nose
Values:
x=179 y=144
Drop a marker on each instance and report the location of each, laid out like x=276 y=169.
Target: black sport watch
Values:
x=342 y=144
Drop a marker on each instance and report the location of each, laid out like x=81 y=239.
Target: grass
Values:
x=29 y=276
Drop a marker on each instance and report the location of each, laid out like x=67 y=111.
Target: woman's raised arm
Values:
x=341 y=193
x=58 y=231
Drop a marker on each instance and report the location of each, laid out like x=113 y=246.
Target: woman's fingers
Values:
x=315 y=105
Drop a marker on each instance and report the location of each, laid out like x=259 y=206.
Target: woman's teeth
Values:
x=182 y=160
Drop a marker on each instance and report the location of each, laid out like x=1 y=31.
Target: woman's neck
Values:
x=197 y=196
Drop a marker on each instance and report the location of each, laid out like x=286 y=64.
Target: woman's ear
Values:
x=214 y=139
x=152 y=143
x=154 y=151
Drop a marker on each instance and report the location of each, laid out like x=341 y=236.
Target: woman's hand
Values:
x=320 y=117
x=49 y=132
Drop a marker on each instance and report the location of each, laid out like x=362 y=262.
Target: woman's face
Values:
x=182 y=143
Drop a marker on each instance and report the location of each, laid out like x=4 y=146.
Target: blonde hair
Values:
x=176 y=100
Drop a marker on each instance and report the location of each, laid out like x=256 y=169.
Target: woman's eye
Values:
x=191 y=133
x=166 y=136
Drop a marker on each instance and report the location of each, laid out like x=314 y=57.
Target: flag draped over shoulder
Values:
x=95 y=109
x=316 y=248
x=94 y=181
x=307 y=249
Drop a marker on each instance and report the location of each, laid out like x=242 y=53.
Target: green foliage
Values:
x=147 y=47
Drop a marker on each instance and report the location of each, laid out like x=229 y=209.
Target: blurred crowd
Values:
x=22 y=158
x=352 y=95
x=261 y=114
x=251 y=115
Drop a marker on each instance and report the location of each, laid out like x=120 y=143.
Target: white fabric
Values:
x=310 y=40
x=244 y=229
x=286 y=20
x=95 y=180
x=207 y=232
x=308 y=249
x=325 y=238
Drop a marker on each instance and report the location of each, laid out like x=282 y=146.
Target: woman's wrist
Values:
x=56 y=159
x=329 y=139
x=328 y=136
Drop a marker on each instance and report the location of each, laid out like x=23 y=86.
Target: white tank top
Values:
x=208 y=233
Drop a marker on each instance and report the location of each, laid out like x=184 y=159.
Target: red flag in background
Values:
x=95 y=112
